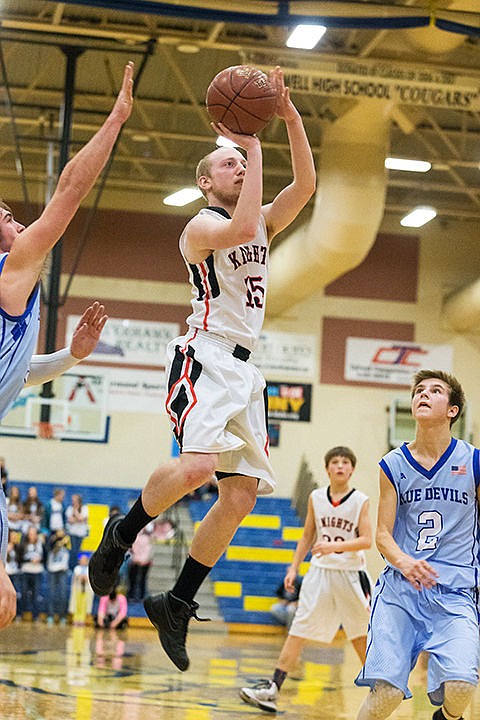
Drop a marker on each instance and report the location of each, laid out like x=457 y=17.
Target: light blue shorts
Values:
x=405 y=621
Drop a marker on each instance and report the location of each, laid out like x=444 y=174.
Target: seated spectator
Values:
x=32 y=509
x=77 y=526
x=31 y=554
x=112 y=611
x=15 y=509
x=140 y=563
x=81 y=593
x=284 y=610
x=13 y=567
x=58 y=555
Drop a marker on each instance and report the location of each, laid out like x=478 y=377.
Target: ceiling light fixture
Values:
x=392 y=163
x=305 y=37
x=182 y=197
x=419 y=216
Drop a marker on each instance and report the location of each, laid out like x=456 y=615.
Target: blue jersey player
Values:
x=23 y=251
x=427 y=531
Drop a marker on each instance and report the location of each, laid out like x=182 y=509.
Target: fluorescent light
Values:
x=405 y=164
x=182 y=197
x=418 y=217
x=225 y=142
x=305 y=37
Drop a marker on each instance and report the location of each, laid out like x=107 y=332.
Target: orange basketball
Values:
x=242 y=98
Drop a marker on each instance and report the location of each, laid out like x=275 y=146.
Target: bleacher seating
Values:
x=247 y=575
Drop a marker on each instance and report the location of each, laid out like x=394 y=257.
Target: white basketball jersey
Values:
x=338 y=522
x=229 y=287
x=437 y=510
x=18 y=339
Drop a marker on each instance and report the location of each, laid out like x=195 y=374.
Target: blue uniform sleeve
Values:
x=387 y=470
x=476 y=466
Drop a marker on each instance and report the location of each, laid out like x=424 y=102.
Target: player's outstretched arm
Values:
x=288 y=203
x=84 y=340
x=30 y=248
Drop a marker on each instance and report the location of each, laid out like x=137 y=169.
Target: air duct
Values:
x=348 y=209
x=461 y=310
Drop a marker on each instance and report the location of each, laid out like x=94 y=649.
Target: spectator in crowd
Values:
x=32 y=509
x=55 y=517
x=32 y=565
x=285 y=607
x=163 y=529
x=140 y=563
x=58 y=555
x=81 y=593
x=4 y=475
x=113 y=611
x=13 y=567
x=15 y=509
x=77 y=526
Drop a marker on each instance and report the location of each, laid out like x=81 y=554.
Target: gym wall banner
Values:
x=131 y=342
x=392 y=362
x=289 y=401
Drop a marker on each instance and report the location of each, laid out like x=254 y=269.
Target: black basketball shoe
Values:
x=170 y=617
x=107 y=559
x=438 y=715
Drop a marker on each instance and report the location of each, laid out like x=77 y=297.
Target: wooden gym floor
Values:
x=78 y=673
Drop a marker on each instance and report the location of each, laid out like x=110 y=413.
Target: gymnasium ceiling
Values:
x=432 y=76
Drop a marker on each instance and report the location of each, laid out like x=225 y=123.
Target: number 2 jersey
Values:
x=18 y=339
x=229 y=287
x=437 y=511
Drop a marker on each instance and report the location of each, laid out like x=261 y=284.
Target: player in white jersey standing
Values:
x=215 y=396
x=23 y=251
x=336 y=587
x=425 y=599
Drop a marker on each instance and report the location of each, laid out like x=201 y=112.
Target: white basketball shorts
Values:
x=216 y=403
x=328 y=599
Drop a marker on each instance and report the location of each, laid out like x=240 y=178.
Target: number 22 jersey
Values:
x=437 y=510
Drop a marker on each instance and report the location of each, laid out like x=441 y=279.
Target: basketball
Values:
x=242 y=98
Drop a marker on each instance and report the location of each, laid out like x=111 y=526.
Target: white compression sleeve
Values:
x=46 y=367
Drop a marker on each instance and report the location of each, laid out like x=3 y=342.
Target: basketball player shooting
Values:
x=23 y=251
x=215 y=395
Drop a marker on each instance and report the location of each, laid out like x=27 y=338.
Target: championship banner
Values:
x=391 y=362
x=131 y=342
x=289 y=401
x=400 y=84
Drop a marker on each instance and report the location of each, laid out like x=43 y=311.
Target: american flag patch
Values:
x=458 y=470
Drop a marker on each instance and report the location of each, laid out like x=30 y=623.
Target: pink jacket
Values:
x=119 y=607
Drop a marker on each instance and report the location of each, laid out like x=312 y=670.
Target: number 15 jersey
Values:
x=229 y=287
x=437 y=510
